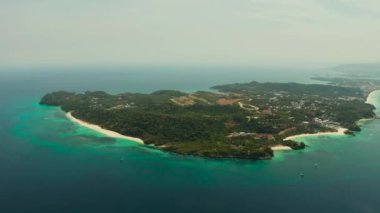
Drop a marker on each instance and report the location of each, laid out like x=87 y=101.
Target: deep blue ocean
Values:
x=51 y=165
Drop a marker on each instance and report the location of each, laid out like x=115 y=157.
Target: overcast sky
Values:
x=234 y=32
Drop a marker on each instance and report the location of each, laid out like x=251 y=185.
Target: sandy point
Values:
x=280 y=147
x=106 y=132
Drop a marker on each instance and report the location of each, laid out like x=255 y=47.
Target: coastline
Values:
x=280 y=148
x=363 y=121
x=370 y=100
x=99 y=129
x=341 y=131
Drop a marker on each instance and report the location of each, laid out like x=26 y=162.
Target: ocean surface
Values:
x=51 y=165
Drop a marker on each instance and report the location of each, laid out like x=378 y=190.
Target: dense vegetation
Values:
x=243 y=121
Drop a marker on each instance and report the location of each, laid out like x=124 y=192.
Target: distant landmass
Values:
x=242 y=120
x=368 y=70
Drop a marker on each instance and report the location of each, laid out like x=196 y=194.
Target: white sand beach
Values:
x=106 y=132
x=280 y=148
x=371 y=99
x=361 y=122
x=339 y=132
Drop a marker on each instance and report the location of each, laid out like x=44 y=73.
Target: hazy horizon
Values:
x=295 y=33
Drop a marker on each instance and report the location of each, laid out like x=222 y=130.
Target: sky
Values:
x=218 y=32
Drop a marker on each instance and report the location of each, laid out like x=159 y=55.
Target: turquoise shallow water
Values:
x=49 y=164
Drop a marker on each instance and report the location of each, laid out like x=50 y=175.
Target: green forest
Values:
x=236 y=121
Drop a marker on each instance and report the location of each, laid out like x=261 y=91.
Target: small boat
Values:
x=121 y=160
x=302 y=175
x=316 y=165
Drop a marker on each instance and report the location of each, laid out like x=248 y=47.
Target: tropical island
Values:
x=242 y=120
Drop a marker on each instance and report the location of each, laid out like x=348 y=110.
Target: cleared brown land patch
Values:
x=183 y=101
x=225 y=101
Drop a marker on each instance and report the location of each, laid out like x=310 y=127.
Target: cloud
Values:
x=368 y=8
x=188 y=31
x=311 y=10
